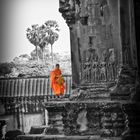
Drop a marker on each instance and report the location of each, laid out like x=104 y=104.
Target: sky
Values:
x=17 y=15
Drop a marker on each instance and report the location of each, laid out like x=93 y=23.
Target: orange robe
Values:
x=57 y=88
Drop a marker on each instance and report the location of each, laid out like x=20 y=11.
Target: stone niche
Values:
x=104 y=71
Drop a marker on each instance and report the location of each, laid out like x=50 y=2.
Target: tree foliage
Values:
x=33 y=35
x=52 y=30
x=43 y=39
x=6 y=68
x=26 y=66
x=41 y=36
x=41 y=57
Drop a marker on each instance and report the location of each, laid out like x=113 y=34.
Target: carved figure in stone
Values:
x=94 y=56
x=102 y=72
x=105 y=60
x=91 y=68
x=87 y=71
x=108 y=58
x=111 y=65
x=93 y=72
x=110 y=72
x=104 y=56
x=111 y=55
x=97 y=76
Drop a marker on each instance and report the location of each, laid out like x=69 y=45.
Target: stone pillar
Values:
x=55 y=118
x=127 y=81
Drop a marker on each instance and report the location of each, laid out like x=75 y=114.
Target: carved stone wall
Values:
x=95 y=43
x=87 y=118
x=103 y=46
x=104 y=119
x=104 y=67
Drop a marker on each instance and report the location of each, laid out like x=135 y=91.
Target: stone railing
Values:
x=27 y=95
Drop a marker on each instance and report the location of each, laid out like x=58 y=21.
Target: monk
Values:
x=57 y=81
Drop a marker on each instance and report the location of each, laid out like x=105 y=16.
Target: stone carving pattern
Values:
x=70 y=10
x=101 y=119
x=96 y=69
x=98 y=62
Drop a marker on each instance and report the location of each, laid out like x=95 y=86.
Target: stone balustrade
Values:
x=26 y=95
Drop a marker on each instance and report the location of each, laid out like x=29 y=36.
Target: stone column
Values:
x=55 y=118
x=128 y=74
x=67 y=8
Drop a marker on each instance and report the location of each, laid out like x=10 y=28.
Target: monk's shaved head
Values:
x=57 y=65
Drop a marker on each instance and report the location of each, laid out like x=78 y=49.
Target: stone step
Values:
x=120 y=98
x=99 y=95
x=98 y=90
x=95 y=87
x=58 y=99
x=99 y=99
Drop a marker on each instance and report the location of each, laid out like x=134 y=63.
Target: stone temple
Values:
x=102 y=100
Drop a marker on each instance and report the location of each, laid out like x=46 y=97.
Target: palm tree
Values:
x=52 y=29
x=33 y=36
x=43 y=39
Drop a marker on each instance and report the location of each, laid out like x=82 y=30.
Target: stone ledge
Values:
x=63 y=137
x=100 y=102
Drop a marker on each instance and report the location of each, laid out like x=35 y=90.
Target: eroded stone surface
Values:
x=89 y=118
